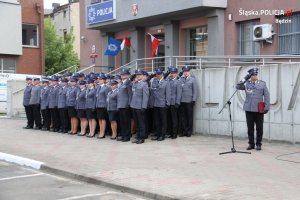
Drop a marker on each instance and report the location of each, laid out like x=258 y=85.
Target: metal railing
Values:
x=201 y=62
x=72 y=68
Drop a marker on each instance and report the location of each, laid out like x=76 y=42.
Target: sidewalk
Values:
x=185 y=168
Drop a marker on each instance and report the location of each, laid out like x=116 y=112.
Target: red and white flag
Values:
x=125 y=42
x=155 y=44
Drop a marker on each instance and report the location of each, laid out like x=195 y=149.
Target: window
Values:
x=197 y=41
x=7 y=65
x=246 y=44
x=95 y=1
x=30 y=35
x=289 y=35
x=65 y=13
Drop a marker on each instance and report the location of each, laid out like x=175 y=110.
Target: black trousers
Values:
x=139 y=119
x=55 y=118
x=187 y=114
x=46 y=118
x=29 y=116
x=160 y=115
x=64 y=118
x=257 y=119
x=36 y=110
x=174 y=121
x=125 y=122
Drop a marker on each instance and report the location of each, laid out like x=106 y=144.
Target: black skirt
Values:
x=90 y=113
x=113 y=116
x=72 y=111
x=81 y=113
x=102 y=113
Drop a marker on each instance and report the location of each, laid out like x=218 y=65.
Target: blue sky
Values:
x=48 y=3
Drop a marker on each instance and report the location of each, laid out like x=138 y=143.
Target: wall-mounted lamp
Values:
x=83 y=38
x=230 y=17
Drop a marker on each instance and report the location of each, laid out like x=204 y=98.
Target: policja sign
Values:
x=101 y=12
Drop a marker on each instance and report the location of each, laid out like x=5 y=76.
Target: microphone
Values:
x=246 y=78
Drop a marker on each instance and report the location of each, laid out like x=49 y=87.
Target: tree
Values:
x=59 y=52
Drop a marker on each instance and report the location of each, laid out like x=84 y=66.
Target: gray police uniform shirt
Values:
x=176 y=90
x=35 y=97
x=81 y=99
x=90 y=98
x=71 y=96
x=140 y=95
x=189 y=89
x=255 y=92
x=124 y=94
x=62 y=97
x=45 y=98
x=162 y=93
x=53 y=96
x=153 y=86
x=112 y=100
x=101 y=96
x=27 y=94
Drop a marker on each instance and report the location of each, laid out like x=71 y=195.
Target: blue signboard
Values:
x=100 y=12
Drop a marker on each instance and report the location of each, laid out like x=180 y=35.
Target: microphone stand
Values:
x=233 y=150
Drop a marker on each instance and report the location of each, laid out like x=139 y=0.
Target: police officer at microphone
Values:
x=257 y=104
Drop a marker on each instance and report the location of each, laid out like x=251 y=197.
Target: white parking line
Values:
x=89 y=195
x=17 y=177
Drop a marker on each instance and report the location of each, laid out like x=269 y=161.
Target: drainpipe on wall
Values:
x=41 y=26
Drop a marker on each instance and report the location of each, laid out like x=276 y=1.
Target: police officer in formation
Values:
x=123 y=102
x=162 y=95
x=95 y=99
x=26 y=99
x=45 y=105
x=35 y=103
x=257 y=104
x=188 y=99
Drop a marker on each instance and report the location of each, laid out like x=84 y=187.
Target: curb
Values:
x=21 y=161
x=70 y=175
x=90 y=180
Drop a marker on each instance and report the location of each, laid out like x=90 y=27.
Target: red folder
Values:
x=261 y=107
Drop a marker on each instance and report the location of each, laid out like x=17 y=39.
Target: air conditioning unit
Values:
x=263 y=32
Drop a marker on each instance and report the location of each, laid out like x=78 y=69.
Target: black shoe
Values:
x=154 y=138
x=113 y=138
x=174 y=137
x=90 y=136
x=37 y=128
x=258 y=147
x=160 y=139
x=140 y=142
x=168 y=136
x=27 y=127
x=250 y=147
x=182 y=135
x=101 y=137
x=126 y=140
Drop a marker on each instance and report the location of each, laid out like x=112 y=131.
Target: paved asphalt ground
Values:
x=19 y=183
x=185 y=168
